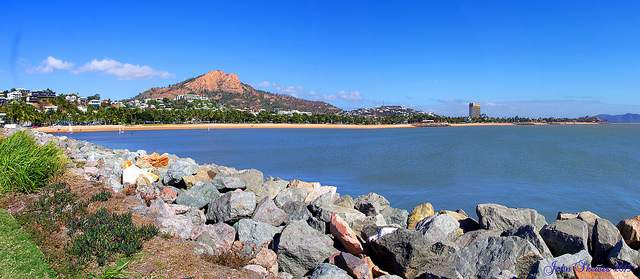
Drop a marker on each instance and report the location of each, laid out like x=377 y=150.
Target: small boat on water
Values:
x=208 y=129
x=70 y=129
x=120 y=130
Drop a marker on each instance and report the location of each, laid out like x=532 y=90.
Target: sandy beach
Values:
x=102 y=128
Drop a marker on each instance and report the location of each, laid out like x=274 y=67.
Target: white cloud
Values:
x=350 y=96
x=122 y=71
x=265 y=84
x=49 y=64
x=289 y=90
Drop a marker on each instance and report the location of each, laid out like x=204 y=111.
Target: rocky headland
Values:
x=295 y=229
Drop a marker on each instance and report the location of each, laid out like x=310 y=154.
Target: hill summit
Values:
x=228 y=90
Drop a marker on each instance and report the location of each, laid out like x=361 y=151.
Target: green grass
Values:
x=19 y=256
x=26 y=167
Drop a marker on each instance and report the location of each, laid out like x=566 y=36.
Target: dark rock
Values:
x=622 y=256
x=252 y=232
x=559 y=267
x=630 y=230
x=231 y=206
x=178 y=170
x=267 y=212
x=495 y=216
x=329 y=271
x=566 y=236
x=438 y=228
x=345 y=201
x=605 y=237
x=326 y=198
x=290 y=195
x=199 y=195
x=318 y=225
x=395 y=216
x=226 y=183
x=471 y=237
x=529 y=233
x=300 y=248
x=441 y=272
x=495 y=257
x=405 y=252
x=371 y=204
x=296 y=210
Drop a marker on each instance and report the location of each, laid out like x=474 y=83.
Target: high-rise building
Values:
x=474 y=110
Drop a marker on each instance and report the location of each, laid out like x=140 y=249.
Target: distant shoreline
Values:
x=144 y=127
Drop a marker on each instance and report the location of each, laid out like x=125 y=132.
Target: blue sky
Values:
x=525 y=58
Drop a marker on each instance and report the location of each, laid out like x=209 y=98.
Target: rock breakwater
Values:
x=294 y=229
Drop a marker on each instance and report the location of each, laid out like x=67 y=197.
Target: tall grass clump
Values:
x=26 y=167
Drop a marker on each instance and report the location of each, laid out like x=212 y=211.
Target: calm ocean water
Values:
x=568 y=168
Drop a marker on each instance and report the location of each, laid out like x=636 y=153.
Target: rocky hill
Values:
x=228 y=90
x=625 y=118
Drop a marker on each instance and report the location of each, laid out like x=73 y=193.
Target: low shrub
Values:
x=102 y=196
x=25 y=167
x=101 y=235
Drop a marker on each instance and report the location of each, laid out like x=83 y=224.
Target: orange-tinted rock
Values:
x=355 y=266
x=305 y=185
x=267 y=258
x=418 y=213
x=375 y=270
x=342 y=232
x=170 y=192
x=203 y=174
x=157 y=160
x=630 y=230
x=126 y=164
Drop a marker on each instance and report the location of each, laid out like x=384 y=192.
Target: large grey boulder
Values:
x=300 y=248
x=231 y=206
x=270 y=187
x=179 y=225
x=495 y=216
x=199 y=195
x=529 y=233
x=290 y=195
x=345 y=201
x=329 y=271
x=226 y=183
x=566 y=236
x=349 y=215
x=622 y=256
x=441 y=272
x=605 y=237
x=255 y=233
x=252 y=178
x=471 y=237
x=437 y=228
x=495 y=257
x=371 y=204
x=296 y=210
x=559 y=267
x=218 y=236
x=395 y=216
x=267 y=212
x=178 y=170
